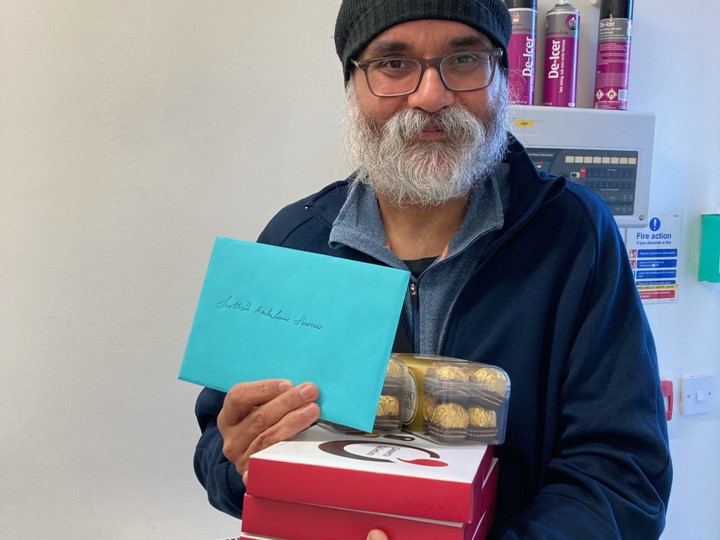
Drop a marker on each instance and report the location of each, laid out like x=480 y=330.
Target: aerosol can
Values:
x=521 y=51
x=612 y=72
x=562 y=32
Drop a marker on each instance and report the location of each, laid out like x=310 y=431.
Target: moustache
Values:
x=457 y=123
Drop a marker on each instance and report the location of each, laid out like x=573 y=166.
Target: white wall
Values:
x=131 y=133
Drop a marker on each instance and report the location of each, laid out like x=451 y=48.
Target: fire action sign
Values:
x=653 y=252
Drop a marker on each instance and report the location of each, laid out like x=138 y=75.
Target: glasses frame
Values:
x=494 y=54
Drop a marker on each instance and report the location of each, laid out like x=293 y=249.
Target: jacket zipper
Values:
x=415 y=303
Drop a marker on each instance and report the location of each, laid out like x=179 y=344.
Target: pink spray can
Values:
x=612 y=70
x=562 y=32
x=521 y=51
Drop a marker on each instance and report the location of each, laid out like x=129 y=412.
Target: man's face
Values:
x=427 y=147
x=424 y=39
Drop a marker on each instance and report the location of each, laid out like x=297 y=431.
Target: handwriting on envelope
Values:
x=272 y=312
x=263 y=311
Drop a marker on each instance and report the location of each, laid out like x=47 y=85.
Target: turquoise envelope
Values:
x=271 y=312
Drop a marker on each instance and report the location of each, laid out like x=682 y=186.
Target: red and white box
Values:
x=297 y=521
x=406 y=485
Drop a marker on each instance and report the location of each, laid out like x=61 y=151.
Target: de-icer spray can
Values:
x=521 y=51
x=562 y=32
x=612 y=72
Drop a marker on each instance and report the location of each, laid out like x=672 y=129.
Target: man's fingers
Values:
x=287 y=427
x=259 y=414
x=242 y=410
x=243 y=397
x=239 y=446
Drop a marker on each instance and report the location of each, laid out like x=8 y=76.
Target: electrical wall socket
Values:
x=697 y=394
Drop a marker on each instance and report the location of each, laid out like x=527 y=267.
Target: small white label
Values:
x=411 y=400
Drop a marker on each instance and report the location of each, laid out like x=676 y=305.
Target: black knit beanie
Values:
x=360 y=21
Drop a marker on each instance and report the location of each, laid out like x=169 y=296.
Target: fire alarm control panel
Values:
x=609 y=152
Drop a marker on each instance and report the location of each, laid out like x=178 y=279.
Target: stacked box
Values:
x=326 y=484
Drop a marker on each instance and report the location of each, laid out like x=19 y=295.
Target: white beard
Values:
x=406 y=171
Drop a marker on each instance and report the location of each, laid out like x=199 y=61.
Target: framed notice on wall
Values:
x=654 y=257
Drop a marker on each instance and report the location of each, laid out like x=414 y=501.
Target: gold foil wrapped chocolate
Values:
x=449 y=422
x=492 y=384
x=448 y=373
x=387 y=417
x=482 y=424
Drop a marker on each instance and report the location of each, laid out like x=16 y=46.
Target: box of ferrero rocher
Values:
x=452 y=400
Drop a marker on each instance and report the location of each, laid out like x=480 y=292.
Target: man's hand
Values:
x=376 y=534
x=258 y=414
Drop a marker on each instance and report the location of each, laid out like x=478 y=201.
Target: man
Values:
x=509 y=268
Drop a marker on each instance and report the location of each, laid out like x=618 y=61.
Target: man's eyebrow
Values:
x=470 y=41
x=386 y=47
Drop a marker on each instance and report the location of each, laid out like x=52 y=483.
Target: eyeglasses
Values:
x=459 y=72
